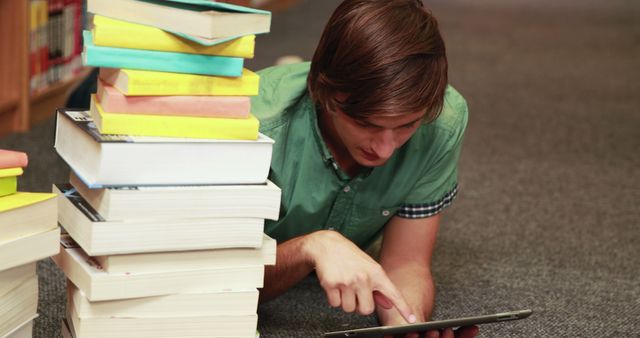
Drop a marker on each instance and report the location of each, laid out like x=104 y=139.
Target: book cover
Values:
x=22 y=199
x=113 y=101
x=122 y=34
x=103 y=160
x=13 y=159
x=99 y=56
x=133 y=82
x=98 y=236
x=98 y=284
x=209 y=19
x=174 y=125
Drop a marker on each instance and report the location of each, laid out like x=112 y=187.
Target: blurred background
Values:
x=548 y=214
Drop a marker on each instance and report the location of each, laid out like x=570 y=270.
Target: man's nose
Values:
x=384 y=144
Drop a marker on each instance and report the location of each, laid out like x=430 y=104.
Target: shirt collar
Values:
x=327 y=156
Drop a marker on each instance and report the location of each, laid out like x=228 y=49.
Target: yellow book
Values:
x=10 y=172
x=174 y=126
x=9 y=180
x=148 y=83
x=22 y=199
x=116 y=33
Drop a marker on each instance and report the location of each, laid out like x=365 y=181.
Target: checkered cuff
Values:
x=427 y=209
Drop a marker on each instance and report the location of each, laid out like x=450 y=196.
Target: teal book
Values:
x=111 y=57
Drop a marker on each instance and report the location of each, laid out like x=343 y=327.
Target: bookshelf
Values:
x=19 y=107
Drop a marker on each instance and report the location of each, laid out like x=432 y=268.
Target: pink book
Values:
x=13 y=159
x=113 y=101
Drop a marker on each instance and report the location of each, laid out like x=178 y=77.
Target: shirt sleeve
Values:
x=437 y=184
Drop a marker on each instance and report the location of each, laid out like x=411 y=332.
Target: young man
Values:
x=367 y=142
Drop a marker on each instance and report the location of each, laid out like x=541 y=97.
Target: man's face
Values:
x=371 y=141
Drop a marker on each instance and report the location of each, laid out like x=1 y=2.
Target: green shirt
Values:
x=419 y=180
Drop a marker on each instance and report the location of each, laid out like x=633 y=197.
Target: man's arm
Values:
x=291 y=267
x=407 y=248
x=405 y=255
x=350 y=278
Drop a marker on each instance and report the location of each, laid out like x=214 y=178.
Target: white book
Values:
x=217 y=20
x=25 y=330
x=218 y=201
x=121 y=160
x=29 y=248
x=11 y=278
x=98 y=236
x=24 y=214
x=218 y=303
x=18 y=306
x=190 y=260
x=98 y=284
x=163 y=327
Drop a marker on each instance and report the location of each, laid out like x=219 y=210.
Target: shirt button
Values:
x=346 y=189
x=385 y=212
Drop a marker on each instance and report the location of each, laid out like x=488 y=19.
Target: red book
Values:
x=12 y=159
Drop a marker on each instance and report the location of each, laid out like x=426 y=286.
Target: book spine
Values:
x=35 y=69
x=98 y=56
x=43 y=42
x=77 y=37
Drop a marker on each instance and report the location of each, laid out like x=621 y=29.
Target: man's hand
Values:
x=350 y=278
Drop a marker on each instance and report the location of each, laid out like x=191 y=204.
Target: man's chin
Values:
x=372 y=163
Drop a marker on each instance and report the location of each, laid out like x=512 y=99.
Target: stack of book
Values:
x=168 y=194
x=28 y=232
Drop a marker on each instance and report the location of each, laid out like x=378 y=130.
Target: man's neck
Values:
x=339 y=152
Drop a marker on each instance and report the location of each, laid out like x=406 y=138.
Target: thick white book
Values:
x=25 y=213
x=29 y=248
x=98 y=284
x=24 y=330
x=190 y=260
x=121 y=160
x=11 y=278
x=219 y=303
x=217 y=201
x=98 y=236
x=18 y=306
x=164 y=327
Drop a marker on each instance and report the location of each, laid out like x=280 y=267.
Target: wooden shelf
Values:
x=8 y=104
x=19 y=108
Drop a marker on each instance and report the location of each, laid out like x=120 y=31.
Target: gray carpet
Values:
x=547 y=216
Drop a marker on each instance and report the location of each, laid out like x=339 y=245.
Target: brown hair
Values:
x=386 y=56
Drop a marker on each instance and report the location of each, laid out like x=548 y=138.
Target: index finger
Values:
x=391 y=295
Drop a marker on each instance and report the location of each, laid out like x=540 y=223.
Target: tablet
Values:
x=434 y=325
